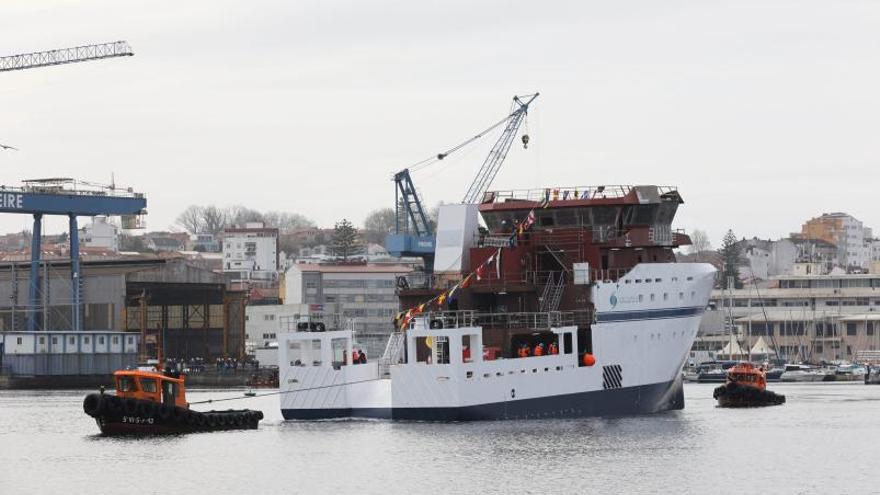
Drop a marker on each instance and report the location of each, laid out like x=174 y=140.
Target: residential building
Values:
x=206 y=243
x=365 y=294
x=100 y=233
x=852 y=238
x=251 y=252
x=164 y=244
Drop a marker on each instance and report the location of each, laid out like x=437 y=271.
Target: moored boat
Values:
x=803 y=373
x=746 y=386
x=150 y=402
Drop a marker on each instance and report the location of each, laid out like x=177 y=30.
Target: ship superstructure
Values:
x=567 y=303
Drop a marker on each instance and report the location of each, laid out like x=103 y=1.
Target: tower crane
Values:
x=65 y=56
x=62 y=56
x=413 y=235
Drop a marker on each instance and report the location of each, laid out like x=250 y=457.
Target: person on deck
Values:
x=554 y=349
x=539 y=349
x=362 y=357
x=355 y=356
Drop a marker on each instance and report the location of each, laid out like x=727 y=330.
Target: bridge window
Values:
x=566 y=343
x=148 y=385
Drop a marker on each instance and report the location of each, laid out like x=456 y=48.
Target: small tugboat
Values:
x=746 y=386
x=148 y=402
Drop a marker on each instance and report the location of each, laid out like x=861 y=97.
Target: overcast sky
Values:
x=763 y=112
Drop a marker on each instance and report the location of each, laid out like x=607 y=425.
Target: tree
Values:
x=191 y=219
x=345 y=240
x=700 y=242
x=731 y=255
x=214 y=220
x=378 y=224
x=286 y=222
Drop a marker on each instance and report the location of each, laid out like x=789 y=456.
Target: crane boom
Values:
x=65 y=56
x=496 y=156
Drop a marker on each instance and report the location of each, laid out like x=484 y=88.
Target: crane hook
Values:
x=525 y=141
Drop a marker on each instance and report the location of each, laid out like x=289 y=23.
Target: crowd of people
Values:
x=539 y=350
x=200 y=365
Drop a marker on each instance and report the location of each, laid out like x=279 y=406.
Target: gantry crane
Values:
x=413 y=235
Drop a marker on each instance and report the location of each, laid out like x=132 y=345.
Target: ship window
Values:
x=681 y=295
x=148 y=385
x=658 y=280
x=466 y=349
x=423 y=351
x=54 y=340
x=665 y=296
x=18 y=340
x=72 y=340
x=126 y=384
x=469 y=374
x=652 y=297
x=42 y=340
x=641 y=297
x=638 y=280
x=690 y=278
x=627 y=281
x=693 y=294
x=566 y=343
x=339 y=351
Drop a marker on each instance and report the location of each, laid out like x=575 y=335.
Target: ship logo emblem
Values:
x=613 y=301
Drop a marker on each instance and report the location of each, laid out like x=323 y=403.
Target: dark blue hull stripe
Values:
x=648 y=314
x=618 y=402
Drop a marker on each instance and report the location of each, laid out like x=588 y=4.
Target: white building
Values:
x=100 y=234
x=251 y=251
x=365 y=294
x=852 y=238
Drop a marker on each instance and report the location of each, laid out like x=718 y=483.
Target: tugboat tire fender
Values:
x=93 y=404
x=112 y=404
x=130 y=406
x=166 y=412
x=146 y=409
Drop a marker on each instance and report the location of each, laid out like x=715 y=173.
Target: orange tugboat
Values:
x=150 y=402
x=746 y=386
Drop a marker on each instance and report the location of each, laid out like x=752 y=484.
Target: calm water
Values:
x=825 y=440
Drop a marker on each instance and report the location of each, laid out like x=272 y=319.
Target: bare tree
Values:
x=214 y=220
x=286 y=221
x=191 y=219
x=700 y=242
x=378 y=224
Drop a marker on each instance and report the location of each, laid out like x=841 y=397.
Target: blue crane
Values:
x=413 y=234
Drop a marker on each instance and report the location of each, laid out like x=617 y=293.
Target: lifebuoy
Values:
x=93 y=404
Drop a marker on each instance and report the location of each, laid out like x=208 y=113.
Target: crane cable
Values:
x=440 y=156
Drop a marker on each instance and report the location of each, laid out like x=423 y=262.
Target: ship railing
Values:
x=608 y=275
x=504 y=320
x=565 y=193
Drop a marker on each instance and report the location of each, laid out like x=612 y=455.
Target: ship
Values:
x=565 y=302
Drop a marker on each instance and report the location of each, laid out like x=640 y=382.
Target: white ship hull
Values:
x=639 y=344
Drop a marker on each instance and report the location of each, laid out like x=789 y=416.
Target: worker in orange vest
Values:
x=355 y=356
x=553 y=348
x=539 y=349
